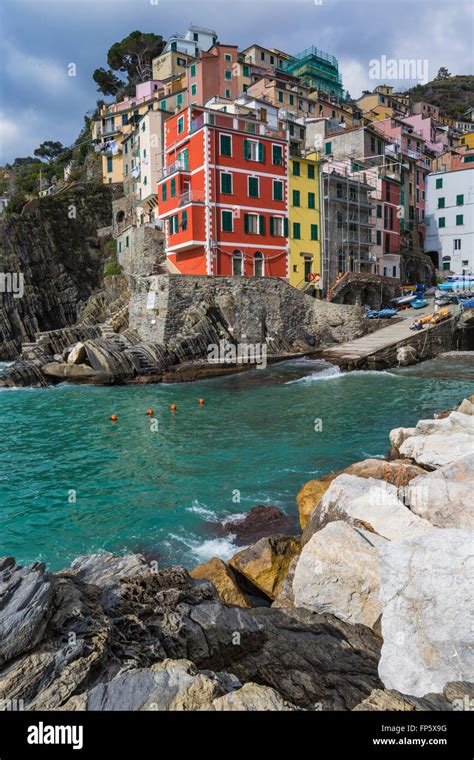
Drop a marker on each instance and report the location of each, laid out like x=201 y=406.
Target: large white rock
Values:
x=445 y=497
x=437 y=450
x=466 y=406
x=398 y=435
x=368 y=503
x=338 y=572
x=78 y=354
x=454 y=423
x=427 y=620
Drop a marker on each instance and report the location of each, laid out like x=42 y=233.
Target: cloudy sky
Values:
x=41 y=38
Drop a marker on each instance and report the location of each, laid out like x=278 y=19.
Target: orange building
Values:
x=223 y=194
x=213 y=73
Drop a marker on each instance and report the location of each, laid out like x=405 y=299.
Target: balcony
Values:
x=191 y=196
x=177 y=166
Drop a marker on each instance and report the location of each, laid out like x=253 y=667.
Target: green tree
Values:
x=134 y=54
x=49 y=149
x=443 y=73
x=108 y=83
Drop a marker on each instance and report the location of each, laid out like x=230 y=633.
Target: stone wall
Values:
x=254 y=310
x=372 y=289
x=145 y=254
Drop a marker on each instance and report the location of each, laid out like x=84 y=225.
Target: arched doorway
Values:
x=258 y=264
x=237 y=264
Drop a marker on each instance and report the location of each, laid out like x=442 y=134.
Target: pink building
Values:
x=426 y=128
x=146 y=90
x=214 y=73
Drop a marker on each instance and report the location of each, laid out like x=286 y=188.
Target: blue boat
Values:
x=419 y=303
x=381 y=313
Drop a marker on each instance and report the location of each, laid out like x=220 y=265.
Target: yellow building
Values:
x=170 y=65
x=305 y=231
x=466 y=140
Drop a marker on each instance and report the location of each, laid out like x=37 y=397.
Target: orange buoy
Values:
x=201 y=401
x=150 y=412
x=113 y=417
x=173 y=407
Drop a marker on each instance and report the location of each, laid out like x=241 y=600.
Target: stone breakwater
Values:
x=369 y=607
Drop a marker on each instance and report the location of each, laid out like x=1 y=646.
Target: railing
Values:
x=177 y=166
x=191 y=196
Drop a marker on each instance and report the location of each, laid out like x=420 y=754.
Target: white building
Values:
x=195 y=38
x=449 y=217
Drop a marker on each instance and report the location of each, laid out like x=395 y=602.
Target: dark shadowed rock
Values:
x=259 y=522
x=25 y=606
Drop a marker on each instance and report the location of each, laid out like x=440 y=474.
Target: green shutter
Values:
x=439 y=183
x=311 y=173
x=246 y=150
x=173 y=188
x=459 y=219
x=314 y=232
x=272 y=226
x=253 y=187
x=277 y=191
x=296 y=197
x=246 y=223
x=164 y=192
x=327 y=149
x=226 y=183
x=285 y=227
x=442 y=221
x=261 y=152
x=440 y=202
x=261 y=224
x=459 y=200
x=184 y=220
x=311 y=200
x=227 y=221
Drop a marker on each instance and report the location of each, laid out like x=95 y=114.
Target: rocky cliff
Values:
x=54 y=246
x=362 y=612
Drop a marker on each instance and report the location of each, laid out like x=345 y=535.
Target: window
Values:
x=251 y=224
x=180 y=125
x=145 y=180
x=173 y=188
x=311 y=171
x=228 y=57
x=173 y=222
x=277 y=190
x=143 y=127
x=164 y=192
x=253 y=187
x=272 y=59
x=227 y=224
x=459 y=219
x=226 y=145
x=109 y=163
x=296 y=197
x=291 y=99
x=311 y=200
x=227 y=74
x=245 y=71
x=457 y=244
x=296 y=168
x=163 y=105
x=179 y=99
x=379 y=211
x=196 y=37
x=258 y=264
x=193 y=89
x=372 y=143
x=227 y=94
x=181 y=61
x=184 y=220
x=378 y=237
x=276 y=226
x=237 y=264
x=440 y=202
x=296 y=231
x=120 y=247
x=254 y=151
x=314 y=232
x=459 y=200
x=277 y=155
x=327 y=149
x=124 y=119
x=442 y=221
x=280 y=96
x=262 y=55
x=439 y=184
x=127 y=242
x=192 y=72
x=226 y=183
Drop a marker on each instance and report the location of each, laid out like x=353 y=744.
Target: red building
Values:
x=390 y=215
x=223 y=194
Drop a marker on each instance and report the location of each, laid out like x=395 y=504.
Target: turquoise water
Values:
x=166 y=492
